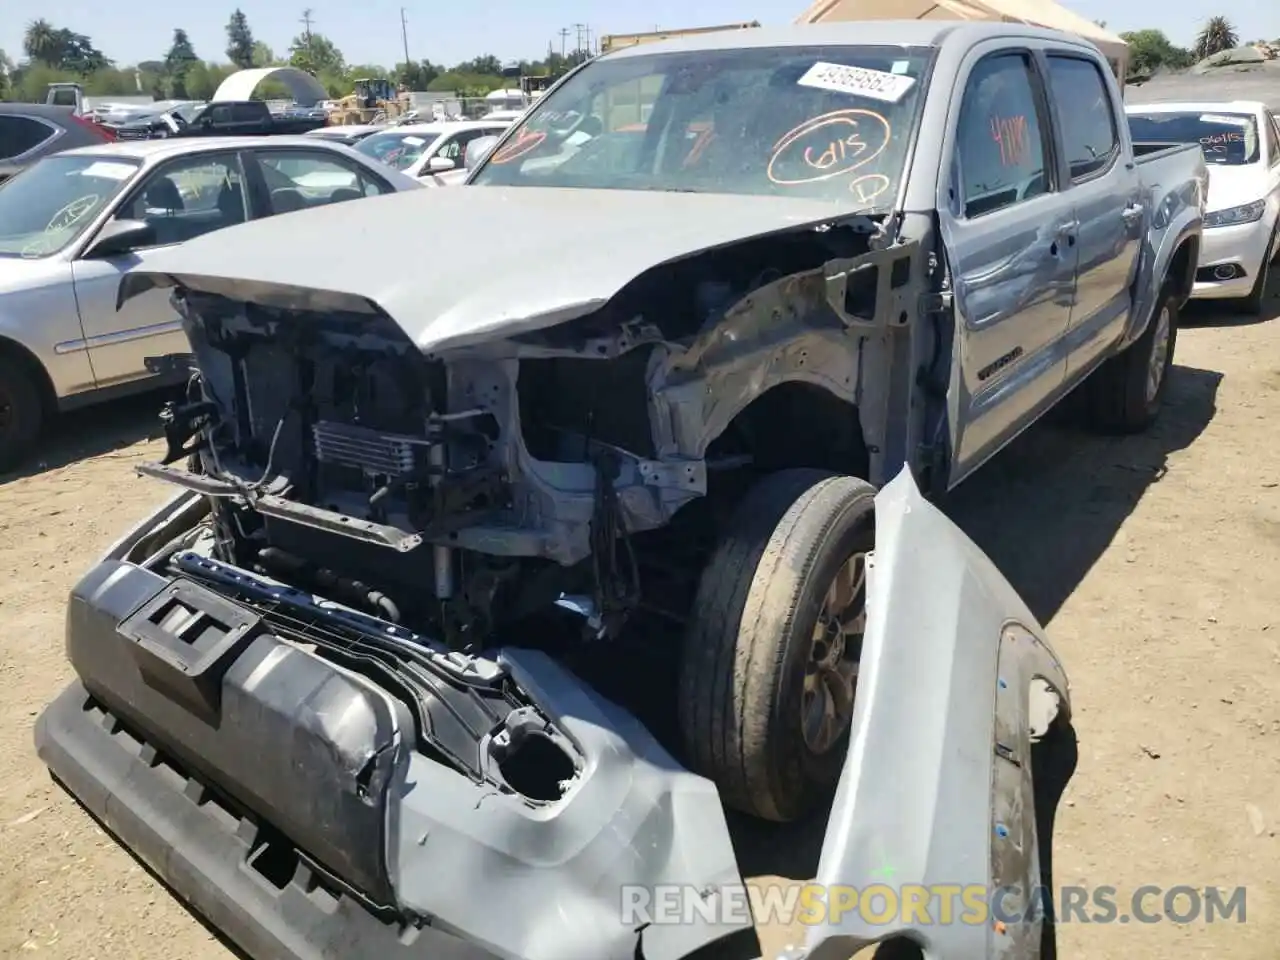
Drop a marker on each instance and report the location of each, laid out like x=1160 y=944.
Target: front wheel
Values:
x=1253 y=304
x=21 y=413
x=770 y=658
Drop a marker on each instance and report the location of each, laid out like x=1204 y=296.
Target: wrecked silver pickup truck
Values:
x=382 y=679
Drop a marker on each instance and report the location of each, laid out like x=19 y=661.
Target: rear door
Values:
x=1008 y=232
x=182 y=199
x=1106 y=191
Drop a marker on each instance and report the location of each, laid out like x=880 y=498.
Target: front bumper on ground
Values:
x=300 y=824
x=201 y=850
x=1245 y=245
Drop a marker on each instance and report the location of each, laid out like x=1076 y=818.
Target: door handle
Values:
x=1132 y=213
x=1066 y=229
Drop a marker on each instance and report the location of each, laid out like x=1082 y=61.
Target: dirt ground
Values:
x=1154 y=562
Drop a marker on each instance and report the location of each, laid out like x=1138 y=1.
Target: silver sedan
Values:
x=72 y=224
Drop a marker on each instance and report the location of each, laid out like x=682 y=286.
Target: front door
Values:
x=1107 y=194
x=182 y=199
x=1009 y=239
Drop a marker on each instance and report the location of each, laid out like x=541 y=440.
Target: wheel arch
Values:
x=13 y=350
x=796 y=422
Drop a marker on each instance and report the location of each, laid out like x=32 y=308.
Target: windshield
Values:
x=1230 y=139
x=186 y=113
x=47 y=206
x=399 y=150
x=830 y=122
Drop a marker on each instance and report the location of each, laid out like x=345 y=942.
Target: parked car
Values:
x=350 y=134
x=73 y=223
x=847 y=265
x=224 y=118
x=1241 y=144
x=423 y=149
x=29 y=131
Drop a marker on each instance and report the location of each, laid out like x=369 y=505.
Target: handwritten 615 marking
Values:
x=827 y=146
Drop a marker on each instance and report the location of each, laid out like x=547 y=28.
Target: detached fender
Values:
x=956 y=681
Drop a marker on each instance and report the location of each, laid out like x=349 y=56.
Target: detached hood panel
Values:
x=452 y=267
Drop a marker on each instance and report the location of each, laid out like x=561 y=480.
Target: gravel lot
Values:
x=1150 y=559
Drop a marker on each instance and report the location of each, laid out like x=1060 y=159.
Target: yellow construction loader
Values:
x=371 y=101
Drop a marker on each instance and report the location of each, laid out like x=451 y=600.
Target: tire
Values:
x=1120 y=396
x=745 y=677
x=1253 y=304
x=21 y=413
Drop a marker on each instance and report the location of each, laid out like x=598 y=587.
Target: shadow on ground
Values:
x=1043 y=510
x=1047 y=507
x=93 y=431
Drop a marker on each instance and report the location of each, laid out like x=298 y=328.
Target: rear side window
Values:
x=999 y=140
x=1273 y=140
x=19 y=135
x=1089 y=136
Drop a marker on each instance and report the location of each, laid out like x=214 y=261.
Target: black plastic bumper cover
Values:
x=202 y=850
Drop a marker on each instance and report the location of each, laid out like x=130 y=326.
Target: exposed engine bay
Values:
x=461 y=492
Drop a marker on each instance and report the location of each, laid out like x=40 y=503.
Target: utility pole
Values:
x=404 y=35
x=306 y=36
x=578 y=28
x=564 y=35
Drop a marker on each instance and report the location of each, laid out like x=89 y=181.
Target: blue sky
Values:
x=368 y=31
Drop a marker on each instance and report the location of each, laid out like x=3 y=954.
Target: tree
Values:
x=316 y=54
x=6 y=72
x=239 y=40
x=1217 y=35
x=1151 y=50
x=263 y=55
x=79 y=55
x=488 y=65
x=416 y=76
x=42 y=43
x=178 y=62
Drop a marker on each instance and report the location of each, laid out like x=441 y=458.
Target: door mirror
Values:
x=121 y=236
x=477 y=149
x=440 y=164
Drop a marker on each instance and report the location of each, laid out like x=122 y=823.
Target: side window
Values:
x=452 y=148
x=456 y=148
x=189 y=198
x=1273 y=139
x=19 y=135
x=221 y=114
x=297 y=179
x=246 y=112
x=999 y=142
x=1089 y=135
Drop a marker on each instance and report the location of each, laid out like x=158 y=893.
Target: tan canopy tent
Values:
x=1040 y=13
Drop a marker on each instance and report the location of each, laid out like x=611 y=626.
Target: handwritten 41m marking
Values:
x=1010 y=133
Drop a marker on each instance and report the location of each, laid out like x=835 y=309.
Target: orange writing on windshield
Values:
x=526 y=142
x=1010 y=133
x=828 y=146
